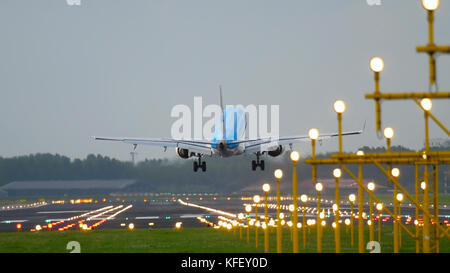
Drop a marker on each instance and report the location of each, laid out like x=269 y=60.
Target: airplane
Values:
x=225 y=142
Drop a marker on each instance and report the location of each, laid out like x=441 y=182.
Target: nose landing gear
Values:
x=199 y=164
x=258 y=163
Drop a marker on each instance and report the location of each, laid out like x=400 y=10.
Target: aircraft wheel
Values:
x=195 y=166
x=253 y=165
x=262 y=165
x=204 y=166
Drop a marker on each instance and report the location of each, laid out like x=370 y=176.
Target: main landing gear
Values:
x=199 y=164
x=258 y=163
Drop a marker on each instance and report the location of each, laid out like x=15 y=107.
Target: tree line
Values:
x=164 y=175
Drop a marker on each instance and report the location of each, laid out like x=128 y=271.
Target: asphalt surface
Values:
x=161 y=214
x=150 y=214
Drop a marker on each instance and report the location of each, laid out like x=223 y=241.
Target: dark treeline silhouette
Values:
x=163 y=175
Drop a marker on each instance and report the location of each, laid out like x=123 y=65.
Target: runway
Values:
x=114 y=214
x=162 y=213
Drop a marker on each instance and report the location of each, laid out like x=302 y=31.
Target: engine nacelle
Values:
x=183 y=153
x=276 y=152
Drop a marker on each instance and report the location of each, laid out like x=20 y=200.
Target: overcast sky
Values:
x=116 y=68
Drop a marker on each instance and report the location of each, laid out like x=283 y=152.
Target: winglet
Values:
x=363 y=128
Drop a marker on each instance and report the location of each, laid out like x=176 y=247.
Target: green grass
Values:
x=187 y=240
x=112 y=241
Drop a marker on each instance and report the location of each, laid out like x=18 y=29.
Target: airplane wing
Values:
x=268 y=144
x=197 y=146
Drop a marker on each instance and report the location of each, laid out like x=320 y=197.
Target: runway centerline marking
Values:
x=62 y=211
x=190 y=215
x=146 y=217
x=13 y=221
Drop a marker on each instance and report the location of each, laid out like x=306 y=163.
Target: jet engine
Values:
x=276 y=152
x=183 y=153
